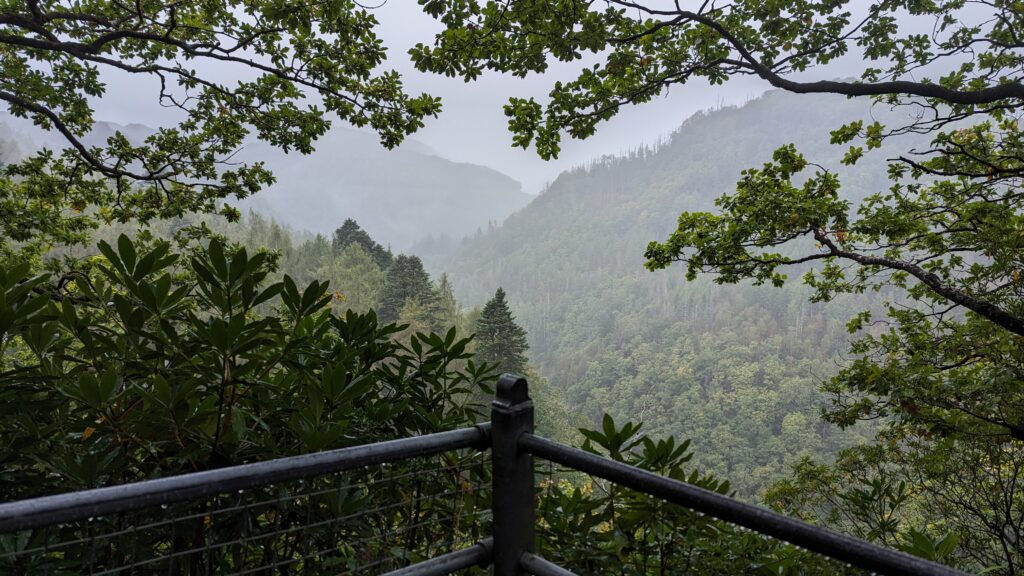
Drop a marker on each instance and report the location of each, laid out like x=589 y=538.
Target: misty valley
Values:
x=264 y=310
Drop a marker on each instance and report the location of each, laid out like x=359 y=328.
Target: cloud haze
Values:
x=472 y=127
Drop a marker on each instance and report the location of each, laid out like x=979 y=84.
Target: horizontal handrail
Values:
x=814 y=538
x=533 y=564
x=48 y=510
x=510 y=552
x=479 y=554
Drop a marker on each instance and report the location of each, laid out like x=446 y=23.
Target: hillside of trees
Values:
x=830 y=324
x=363 y=275
x=735 y=368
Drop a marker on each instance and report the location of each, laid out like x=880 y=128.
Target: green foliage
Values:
x=406 y=281
x=357 y=277
x=942 y=365
x=733 y=367
x=940 y=244
x=141 y=362
x=635 y=52
x=766 y=212
x=595 y=527
x=57 y=60
x=499 y=339
x=950 y=501
x=350 y=233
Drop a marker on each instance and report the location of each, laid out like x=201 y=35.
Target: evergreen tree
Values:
x=406 y=280
x=498 y=337
x=350 y=233
x=445 y=311
x=417 y=316
x=278 y=238
x=310 y=256
x=356 y=278
x=256 y=227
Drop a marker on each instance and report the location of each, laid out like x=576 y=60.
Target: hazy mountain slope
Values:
x=10 y=145
x=30 y=138
x=736 y=367
x=399 y=196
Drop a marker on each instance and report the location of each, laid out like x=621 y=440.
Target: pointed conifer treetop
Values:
x=446 y=308
x=351 y=233
x=406 y=280
x=499 y=339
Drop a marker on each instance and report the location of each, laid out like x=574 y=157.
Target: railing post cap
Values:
x=512 y=389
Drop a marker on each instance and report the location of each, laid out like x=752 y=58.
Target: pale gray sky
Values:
x=472 y=127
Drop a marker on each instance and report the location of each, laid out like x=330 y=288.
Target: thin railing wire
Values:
x=633 y=533
x=386 y=516
x=360 y=521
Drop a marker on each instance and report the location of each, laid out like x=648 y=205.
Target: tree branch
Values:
x=986 y=95
x=983 y=308
x=83 y=151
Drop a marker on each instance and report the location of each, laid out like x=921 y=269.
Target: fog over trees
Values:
x=773 y=250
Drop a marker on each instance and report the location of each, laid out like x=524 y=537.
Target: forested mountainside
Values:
x=362 y=275
x=400 y=196
x=735 y=368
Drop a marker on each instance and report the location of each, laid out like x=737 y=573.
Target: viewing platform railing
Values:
x=303 y=515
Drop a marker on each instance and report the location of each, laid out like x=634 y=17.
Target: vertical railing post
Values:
x=512 y=475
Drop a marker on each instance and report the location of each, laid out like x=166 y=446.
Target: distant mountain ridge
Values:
x=734 y=367
x=400 y=196
x=601 y=216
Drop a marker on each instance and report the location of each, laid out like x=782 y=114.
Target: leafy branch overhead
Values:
x=953 y=245
x=273 y=68
x=631 y=52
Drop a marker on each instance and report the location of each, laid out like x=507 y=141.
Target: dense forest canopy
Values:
x=736 y=369
x=156 y=361
x=180 y=348
x=941 y=364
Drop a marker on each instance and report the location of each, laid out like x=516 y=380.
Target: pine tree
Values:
x=278 y=238
x=498 y=337
x=445 y=312
x=350 y=233
x=416 y=316
x=255 y=230
x=308 y=257
x=356 y=278
x=406 y=279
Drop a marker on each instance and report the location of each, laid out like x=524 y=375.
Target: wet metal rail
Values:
x=814 y=538
x=511 y=547
x=48 y=510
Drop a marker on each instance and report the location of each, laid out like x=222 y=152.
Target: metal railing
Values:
x=509 y=548
x=358 y=510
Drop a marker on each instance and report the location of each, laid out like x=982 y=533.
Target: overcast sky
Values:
x=472 y=127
